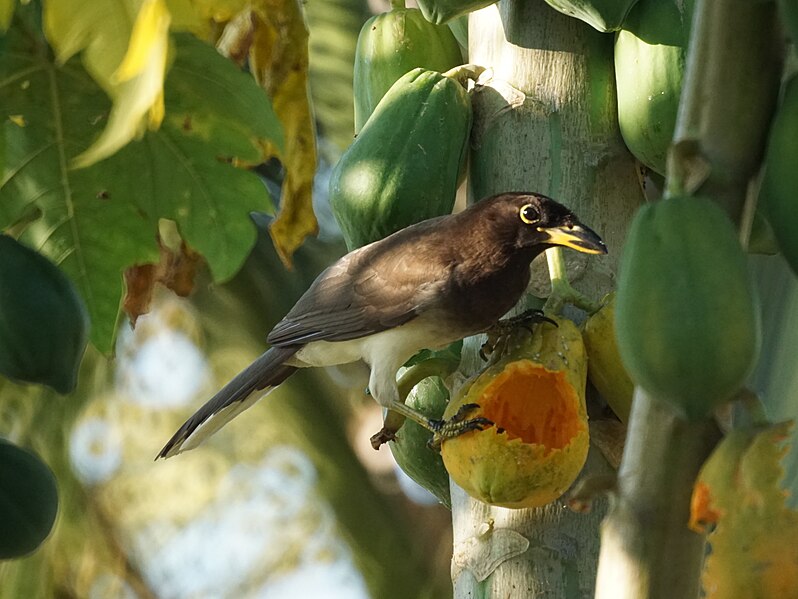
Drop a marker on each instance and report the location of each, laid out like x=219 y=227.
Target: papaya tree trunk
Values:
x=545 y=122
x=728 y=96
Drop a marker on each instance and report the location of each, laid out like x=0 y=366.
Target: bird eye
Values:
x=529 y=214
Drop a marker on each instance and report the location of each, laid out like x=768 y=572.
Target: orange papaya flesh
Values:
x=535 y=396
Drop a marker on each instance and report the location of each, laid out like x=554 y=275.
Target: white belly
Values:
x=399 y=343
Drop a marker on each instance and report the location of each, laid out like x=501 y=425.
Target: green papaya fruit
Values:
x=390 y=45
x=650 y=56
x=28 y=501
x=443 y=11
x=404 y=165
x=44 y=323
x=602 y=15
x=779 y=191
x=687 y=320
x=411 y=448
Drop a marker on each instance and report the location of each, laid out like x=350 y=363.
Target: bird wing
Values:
x=375 y=288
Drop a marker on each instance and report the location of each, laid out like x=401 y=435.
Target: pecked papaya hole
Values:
x=533 y=404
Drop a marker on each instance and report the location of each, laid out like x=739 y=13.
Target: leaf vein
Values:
x=60 y=142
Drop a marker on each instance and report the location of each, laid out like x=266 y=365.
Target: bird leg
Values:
x=398 y=411
x=500 y=334
x=441 y=429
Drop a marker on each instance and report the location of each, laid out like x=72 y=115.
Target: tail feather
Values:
x=268 y=371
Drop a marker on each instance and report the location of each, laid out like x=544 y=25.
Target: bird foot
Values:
x=380 y=438
x=499 y=333
x=457 y=425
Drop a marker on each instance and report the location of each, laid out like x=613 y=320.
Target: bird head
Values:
x=541 y=222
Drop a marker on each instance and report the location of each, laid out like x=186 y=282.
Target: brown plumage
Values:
x=422 y=287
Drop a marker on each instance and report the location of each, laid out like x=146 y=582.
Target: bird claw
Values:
x=382 y=437
x=501 y=331
x=457 y=425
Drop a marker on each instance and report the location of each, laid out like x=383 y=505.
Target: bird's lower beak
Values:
x=577 y=237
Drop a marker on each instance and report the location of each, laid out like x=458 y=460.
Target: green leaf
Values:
x=28 y=501
x=96 y=221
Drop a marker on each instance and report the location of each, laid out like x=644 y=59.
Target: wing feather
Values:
x=369 y=290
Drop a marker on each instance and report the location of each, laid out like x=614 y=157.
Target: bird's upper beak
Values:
x=577 y=237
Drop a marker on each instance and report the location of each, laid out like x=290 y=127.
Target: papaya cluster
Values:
x=651 y=43
x=412 y=128
x=412 y=124
x=687 y=318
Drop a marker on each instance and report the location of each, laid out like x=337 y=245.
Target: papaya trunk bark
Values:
x=545 y=122
x=647 y=551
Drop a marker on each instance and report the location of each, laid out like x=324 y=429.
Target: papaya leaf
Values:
x=175 y=271
x=753 y=541
x=219 y=10
x=124 y=44
x=279 y=61
x=97 y=221
x=28 y=501
x=202 y=17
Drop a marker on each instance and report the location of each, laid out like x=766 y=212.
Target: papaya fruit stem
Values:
x=397 y=4
x=441 y=367
x=727 y=37
x=561 y=290
x=465 y=72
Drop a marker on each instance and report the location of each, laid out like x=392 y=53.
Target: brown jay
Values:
x=423 y=287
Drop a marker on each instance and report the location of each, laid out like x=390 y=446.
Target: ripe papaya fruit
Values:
x=390 y=45
x=687 y=319
x=28 y=501
x=779 y=191
x=604 y=366
x=650 y=56
x=411 y=448
x=535 y=396
x=443 y=11
x=44 y=323
x=405 y=164
x=602 y=15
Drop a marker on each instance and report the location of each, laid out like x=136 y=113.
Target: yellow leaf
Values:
x=753 y=541
x=125 y=46
x=201 y=17
x=147 y=31
x=279 y=61
x=6 y=12
x=220 y=10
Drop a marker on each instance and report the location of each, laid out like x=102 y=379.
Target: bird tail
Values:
x=268 y=371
